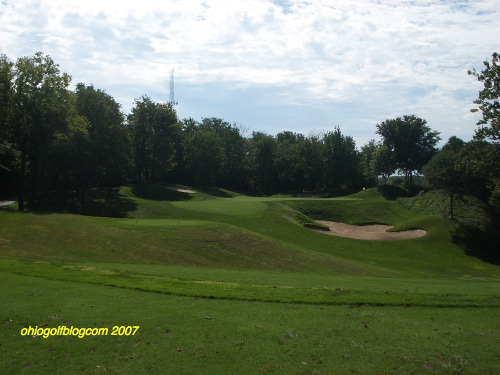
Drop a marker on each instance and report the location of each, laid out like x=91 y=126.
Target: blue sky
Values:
x=271 y=66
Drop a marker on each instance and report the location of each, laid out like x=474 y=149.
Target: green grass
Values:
x=222 y=283
x=472 y=293
x=211 y=336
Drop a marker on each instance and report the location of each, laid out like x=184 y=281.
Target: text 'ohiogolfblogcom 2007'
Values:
x=79 y=332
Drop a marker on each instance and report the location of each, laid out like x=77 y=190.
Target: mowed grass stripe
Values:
x=464 y=285
x=245 y=292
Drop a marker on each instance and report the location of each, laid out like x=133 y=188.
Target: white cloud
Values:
x=387 y=56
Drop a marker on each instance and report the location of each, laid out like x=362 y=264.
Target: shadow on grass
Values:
x=97 y=202
x=480 y=243
x=159 y=192
x=392 y=192
x=106 y=203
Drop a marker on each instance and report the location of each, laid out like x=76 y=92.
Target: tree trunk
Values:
x=22 y=174
x=452 y=198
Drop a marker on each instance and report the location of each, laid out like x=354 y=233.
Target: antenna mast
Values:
x=172 y=100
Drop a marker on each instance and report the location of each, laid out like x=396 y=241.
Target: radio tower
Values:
x=172 y=100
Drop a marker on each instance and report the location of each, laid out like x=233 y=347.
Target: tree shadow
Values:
x=393 y=192
x=108 y=202
x=482 y=243
x=159 y=192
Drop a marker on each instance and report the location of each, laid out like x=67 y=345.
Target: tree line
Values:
x=61 y=142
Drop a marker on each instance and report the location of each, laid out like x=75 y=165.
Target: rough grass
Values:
x=467 y=209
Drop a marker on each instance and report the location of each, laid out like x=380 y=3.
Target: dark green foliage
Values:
x=395 y=191
x=367 y=156
x=341 y=160
x=261 y=150
x=454 y=144
x=8 y=152
x=442 y=172
x=382 y=163
x=108 y=153
x=289 y=162
x=488 y=100
x=231 y=170
x=203 y=156
x=411 y=143
x=40 y=105
x=312 y=159
x=480 y=162
x=153 y=127
x=480 y=241
x=212 y=153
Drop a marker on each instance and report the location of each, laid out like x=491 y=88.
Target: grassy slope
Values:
x=244 y=232
x=258 y=244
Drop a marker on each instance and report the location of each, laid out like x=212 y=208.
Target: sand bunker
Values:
x=367 y=232
x=180 y=189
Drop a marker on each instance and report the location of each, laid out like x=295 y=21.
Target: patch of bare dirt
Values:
x=367 y=232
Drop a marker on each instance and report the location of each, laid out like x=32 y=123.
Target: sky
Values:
x=272 y=65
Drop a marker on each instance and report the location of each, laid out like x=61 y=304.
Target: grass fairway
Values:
x=221 y=283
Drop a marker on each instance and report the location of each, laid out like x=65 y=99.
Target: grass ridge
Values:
x=243 y=292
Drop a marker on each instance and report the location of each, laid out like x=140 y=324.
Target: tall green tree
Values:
x=341 y=159
x=382 y=163
x=367 y=156
x=108 y=160
x=411 y=142
x=260 y=156
x=288 y=161
x=311 y=150
x=203 y=155
x=489 y=99
x=231 y=170
x=154 y=127
x=479 y=160
x=40 y=99
x=443 y=172
x=69 y=167
x=8 y=152
x=454 y=144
